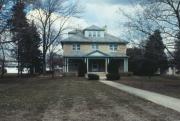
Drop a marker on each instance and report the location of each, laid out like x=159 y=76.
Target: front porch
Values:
x=94 y=65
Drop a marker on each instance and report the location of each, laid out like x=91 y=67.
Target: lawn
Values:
x=165 y=85
x=74 y=99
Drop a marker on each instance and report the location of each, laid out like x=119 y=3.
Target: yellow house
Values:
x=94 y=47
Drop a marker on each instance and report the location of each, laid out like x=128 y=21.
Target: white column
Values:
x=64 y=64
x=67 y=64
x=106 y=65
x=174 y=71
x=87 y=65
x=125 y=64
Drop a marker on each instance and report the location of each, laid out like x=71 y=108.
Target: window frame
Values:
x=98 y=34
x=94 y=33
x=113 y=47
x=76 y=47
x=95 y=46
x=90 y=34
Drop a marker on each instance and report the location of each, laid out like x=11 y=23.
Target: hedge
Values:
x=93 y=77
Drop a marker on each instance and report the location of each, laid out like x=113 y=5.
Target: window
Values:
x=76 y=46
x=98 y=34
x=95 y=46
x=113 y=47
x=90 y=34
x=94 y=33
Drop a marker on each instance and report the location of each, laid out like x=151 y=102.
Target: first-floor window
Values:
x=76 y=46
x=113 y=47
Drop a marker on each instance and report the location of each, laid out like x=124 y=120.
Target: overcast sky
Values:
x=105 y=12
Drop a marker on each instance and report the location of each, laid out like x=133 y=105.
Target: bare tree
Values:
x=157 y=14
x=4 y=51
x=51 y=18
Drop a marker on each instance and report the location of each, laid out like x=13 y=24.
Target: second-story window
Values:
x=113 y=47
x=76 y=47
x=95 y=46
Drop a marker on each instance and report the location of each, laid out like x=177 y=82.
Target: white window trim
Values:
x=94 y=34
x=90 y=34
x=76 y=47
x=98 y=34
x=95 y=46
x=113 y=47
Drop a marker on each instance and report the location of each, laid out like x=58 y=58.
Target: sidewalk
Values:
x=163 y=100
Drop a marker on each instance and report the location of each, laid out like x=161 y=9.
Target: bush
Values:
x=49 y=72
x=114 y=76
x=113 y=67
x=82 y=69
x=93 y=77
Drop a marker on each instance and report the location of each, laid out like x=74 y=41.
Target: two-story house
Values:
x=96 y=48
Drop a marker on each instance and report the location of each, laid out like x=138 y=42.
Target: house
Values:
x=94 y=47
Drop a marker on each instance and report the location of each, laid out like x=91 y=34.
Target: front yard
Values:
x=169 y=86
x=74 y=99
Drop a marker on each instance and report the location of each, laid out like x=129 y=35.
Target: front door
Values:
x=95 y=67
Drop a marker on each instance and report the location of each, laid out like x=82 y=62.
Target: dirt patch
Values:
x=94 y=101
x=75 y=99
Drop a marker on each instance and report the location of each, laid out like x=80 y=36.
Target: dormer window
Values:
x=90 y=34
x=76 y=47
x=113 y=47
x=94 y=31
x=98 y=34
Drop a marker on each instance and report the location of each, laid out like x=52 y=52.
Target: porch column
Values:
x=87 y=63
x=106 y=65
x=125 y=64
x=67 y=64
x=64 y=64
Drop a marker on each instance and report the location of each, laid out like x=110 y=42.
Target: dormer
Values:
x=94 y=32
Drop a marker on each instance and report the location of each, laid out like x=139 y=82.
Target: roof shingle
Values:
x=78 y=36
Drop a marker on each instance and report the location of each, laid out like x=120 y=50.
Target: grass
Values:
x=73 y=99
x=161 y=84
x=27 y=95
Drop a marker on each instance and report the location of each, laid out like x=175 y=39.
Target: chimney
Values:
x=105 y=28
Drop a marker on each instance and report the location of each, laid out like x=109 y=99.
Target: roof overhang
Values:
x=100 y=42
x=97 y=53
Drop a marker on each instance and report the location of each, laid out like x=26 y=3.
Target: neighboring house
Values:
x=95 y=48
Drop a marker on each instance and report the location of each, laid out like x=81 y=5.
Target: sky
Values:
x=105 y=12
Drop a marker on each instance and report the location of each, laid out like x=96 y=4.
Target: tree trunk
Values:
x=44 y=62
x=44 y=52
x=3 y=62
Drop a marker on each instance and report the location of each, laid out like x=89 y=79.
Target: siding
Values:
x=87 y=48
